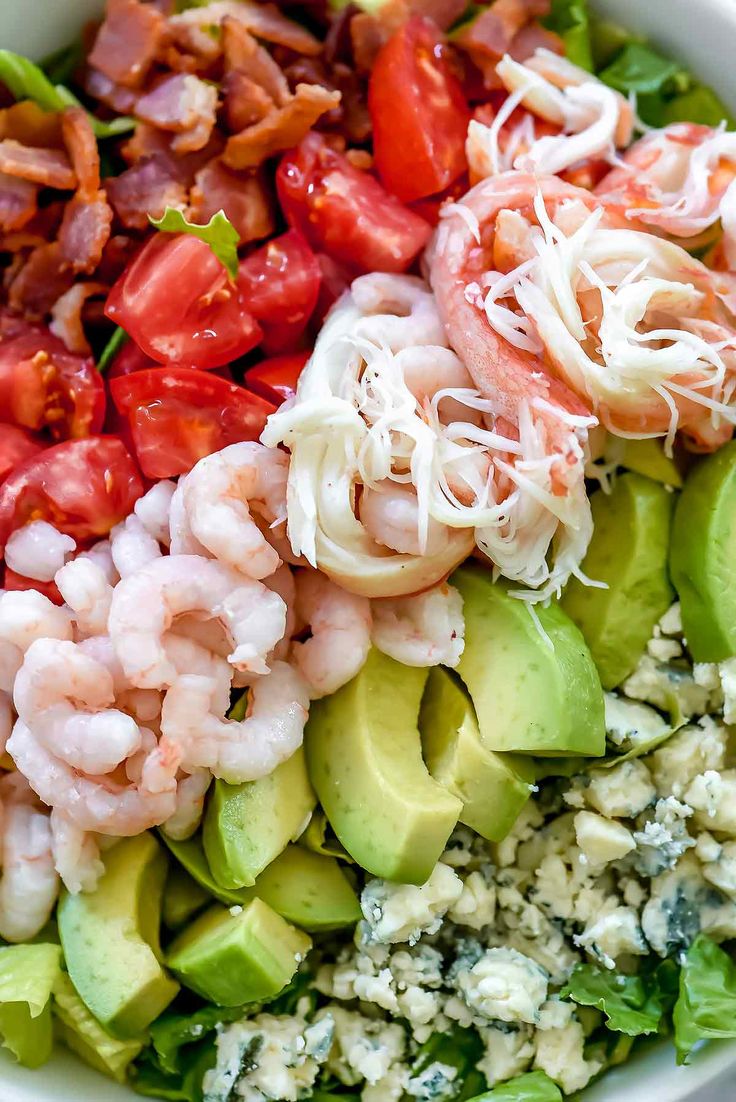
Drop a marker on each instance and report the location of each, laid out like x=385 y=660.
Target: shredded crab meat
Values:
x=648 y=359
x=593 y=120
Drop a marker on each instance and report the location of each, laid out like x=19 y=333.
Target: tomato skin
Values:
x=82 y=487
x=178 y=415
x=130 y=358
x=419 y=113
x=276 y=379
x=176 y=301
x=13 y=581
x=16 y=445
x=43 y=386
x=345 y=212
x=280 y=284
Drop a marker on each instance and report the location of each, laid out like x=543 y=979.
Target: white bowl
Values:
x=701 y=34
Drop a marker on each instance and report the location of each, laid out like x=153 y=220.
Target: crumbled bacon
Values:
x=28 y=124
x=243 y=197
x=115 y=96
x=490 y=34
x=81 y=145
x=245 y=102
x=128 y=41
x=534 y=37
x=190 y=28
x=181 y=102
x=66 y=315
x=17 y=202
x=147 y=141
x=41 y=166
x=42 y=279
x=243 y=54
x=147 y=188
x=84 y=231
x=283 y=128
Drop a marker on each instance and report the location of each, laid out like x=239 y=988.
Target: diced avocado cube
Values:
x=308 y=889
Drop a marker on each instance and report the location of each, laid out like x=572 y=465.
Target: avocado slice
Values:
x=493 y=787
x=232 y=957
x=648 y=458
x=82 y=1033
x=365 y=761
x=190 y=854
x=703 y=556
x=534 y=692
x=628 y=551
x=183 y=898
x=247 y=825
x=110 y=938
x=308 y=889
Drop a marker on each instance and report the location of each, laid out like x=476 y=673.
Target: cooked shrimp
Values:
x=190 y=793
x=219 y=494
x=29 y=884
x=132 y=546
x=389 y=512
x=154 y=508
x=101 y=554
x=24 y=617
x=101 y=804
x=84 y=585
x=145 y=604
x=406 y=309
x=677 y=180
x=340 y=623
x=38 y=550
x=188 y=656
x=144 y=705
x=7 y=718
x=233 y=750
x=181 y=539
x=76 y=854
x=282 y=582
x=65 y=696
x=426 y=629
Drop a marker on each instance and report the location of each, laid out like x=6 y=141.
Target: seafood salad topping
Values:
x=367 y=483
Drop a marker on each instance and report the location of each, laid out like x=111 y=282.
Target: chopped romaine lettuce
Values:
x=706 y=1005
x=82 y=1033
x=631 y=1004
x=219 y=233
x=534 y=1086
x=570 y=20
x=184 y=1086
x=172 y=1033
x=27 y=976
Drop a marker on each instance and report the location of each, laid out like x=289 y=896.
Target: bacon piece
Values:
x=243 y=197
x=66 y=314
x=147 y=188
x=491 y=33
x=115 y=96
x=190 y=28
x=49 y=167
x=244 y=54
x=182 y=103
x=283 y=128
x=84 y=232
x=81 y=146
x=117 y=254
x=26 y=123
x=17 y=202
x=128 y=41
x=534 y=37
x=245 y=102
x=42 y=279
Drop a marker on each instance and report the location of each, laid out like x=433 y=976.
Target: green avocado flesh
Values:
x=307 y=889
x=703 y=556
x=247 y=825
x=110 y=939
x=648 y=458
x=183 y=897
x=533 y=693
x=493 y=787
x=233 y=959
x=628 y=551
x=364 y=758
x=83 y=1034
x=192 y=857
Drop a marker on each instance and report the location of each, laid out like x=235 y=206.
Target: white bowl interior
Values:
x=700 y=33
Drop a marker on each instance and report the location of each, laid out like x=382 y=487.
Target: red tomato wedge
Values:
x=178 y=415
x=419 y=113
x=130 y=358
x=82 y=487
x=346 y=212
x=176 y=301
x=276 y=379
x=16 y=445
x=13 y=581
x=280 y=285
x=42 y=386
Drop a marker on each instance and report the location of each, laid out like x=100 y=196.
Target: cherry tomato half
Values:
x=42 y=386
x=346 y=212
x=178 y=415
x=280 y=284
x=276 y=379
x=419 y=113
x=176 y=301
x=13 y=581
x=16 y=445
x=82 y=487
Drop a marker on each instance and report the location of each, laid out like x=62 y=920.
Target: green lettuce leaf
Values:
x=706 y=1005
x=698 y=104
x=640 y=69
x=27 y=977
x=25 y=80
x=219 y=234
x=570 y=20
x=172 y=1033
x=535 y=1086
x=458 y=1048
x=82 y=1033
x=631 y=1004
x=185 y=1086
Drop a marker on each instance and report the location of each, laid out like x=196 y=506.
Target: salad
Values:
x=367 y=483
